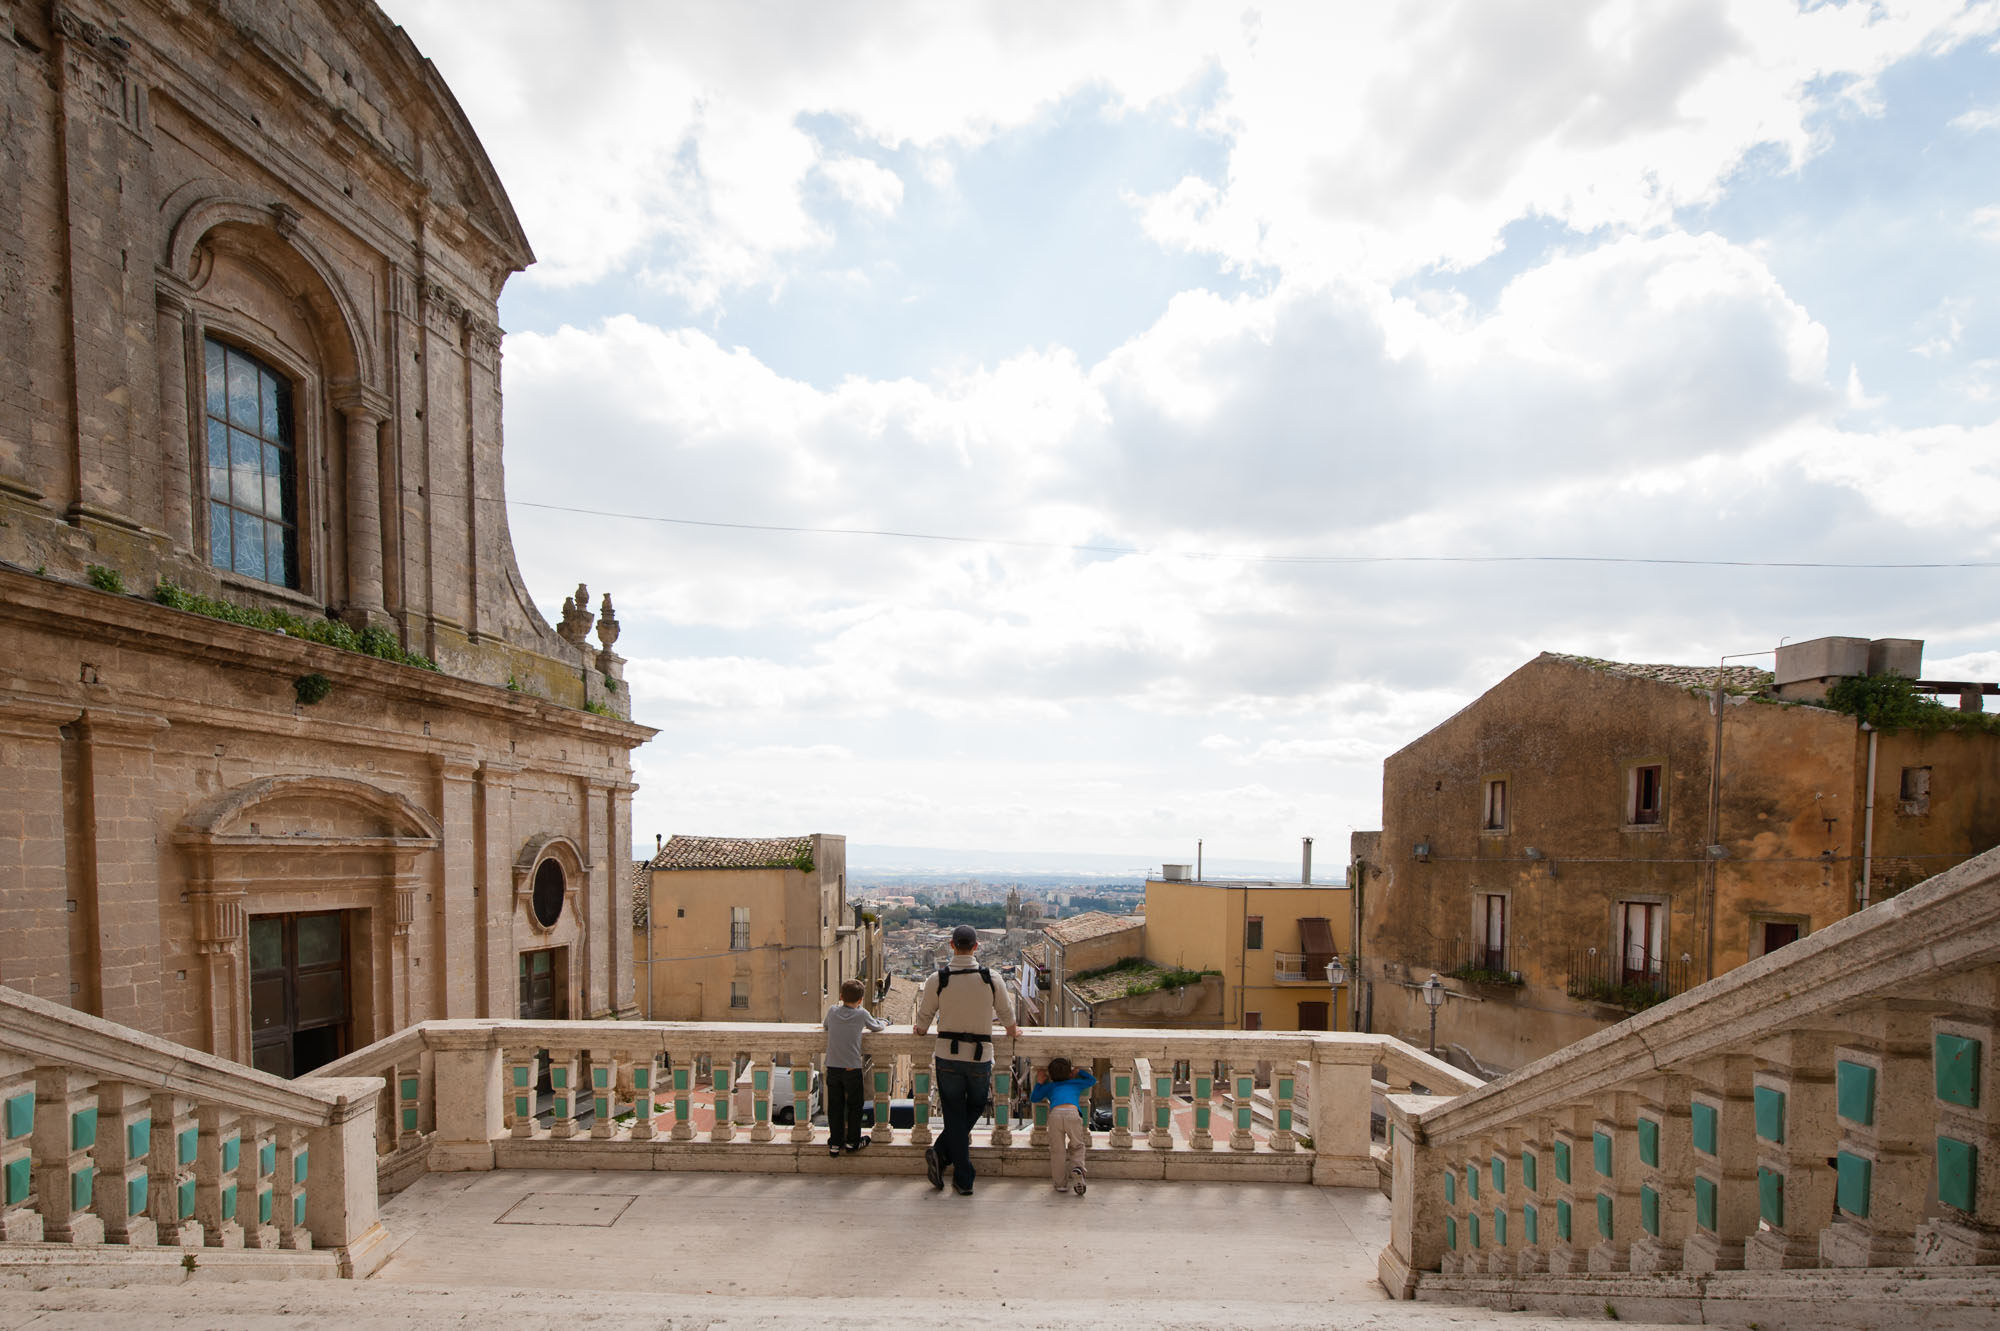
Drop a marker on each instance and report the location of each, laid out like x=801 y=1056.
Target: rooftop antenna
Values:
x=1197 y=860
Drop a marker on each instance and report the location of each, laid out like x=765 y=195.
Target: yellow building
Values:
x=1270 y=941
x=749 y=929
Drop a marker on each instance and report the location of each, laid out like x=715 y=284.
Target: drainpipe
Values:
x=1868 y=819
x=1714 y=823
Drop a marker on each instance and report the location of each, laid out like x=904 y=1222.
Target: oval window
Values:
x=550 y=883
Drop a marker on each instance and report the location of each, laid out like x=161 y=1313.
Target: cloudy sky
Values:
x=1167 y=314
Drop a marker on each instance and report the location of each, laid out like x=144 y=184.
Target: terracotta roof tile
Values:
x=721 y=852
x=1092 y=924
x=642 y=878
x=1735 y=678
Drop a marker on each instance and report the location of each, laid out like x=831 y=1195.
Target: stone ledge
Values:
x=54 y=1265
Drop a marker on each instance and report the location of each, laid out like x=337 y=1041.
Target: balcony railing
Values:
x=1301 y=967
x=1600 y=975
x=1835 y=1104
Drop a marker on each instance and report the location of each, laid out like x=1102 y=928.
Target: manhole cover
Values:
x=567 y=1208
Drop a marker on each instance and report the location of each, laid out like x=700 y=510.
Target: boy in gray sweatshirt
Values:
x=846 y=1022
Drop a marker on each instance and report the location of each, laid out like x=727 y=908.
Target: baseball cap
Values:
x=964 y=936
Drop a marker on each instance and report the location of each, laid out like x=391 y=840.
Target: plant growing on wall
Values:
x=1891 y=702
x=312 y=688
x=105 y=579
x=374 y=641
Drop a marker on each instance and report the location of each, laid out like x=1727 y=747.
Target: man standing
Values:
x=966 y=1001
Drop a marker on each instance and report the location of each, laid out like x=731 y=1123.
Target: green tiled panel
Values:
x=1704 y=1203
x=558 y=1081
x=521 y=1106
x=267 y=1158
x=881 y=1082
x=1243 y=1115
x=1285 y=1088
x=232 y=1153
x=138 y=1138
x=760 y=1109
x=1959 y=1074
x=1498 y=1171
x=1451 y=1185
x=299 y=1164
x=642 y=1078
x=18 y=1173
x=1562 y=1221
x=1201 y=1117
x=1854 y=1176
x=1704 y=1120
x=1246 y=1087
x=1531 y=1225
x=1121 y=1087
x=521 y=1074
x=1562 y=1162
x=79 y=1188
x=1122 y=1116
x=1600 y=1153
x=264 y=1206
x=920 y=1084
x=1163 y=1088
x=410 y=1117
x=1649 y=1211
x=681 y=1081
x=1451 y=1232
x=184 y=1146
x=1649 y=1142
x=83 y=1129
x=1528 y=1169
x=1472 y=1182
x=1284 y=1120
x=184 y=1200
x=1854 y=1092
x=298 y=1208
x=409 y=1088
x=601 y=1078
x=1204 y=1087
x=135 y=1195
x=229 y=1202
x=760 y=1079
x=1042 y=1116
x=20 y=1114
x=1003 y=1085
x=1770 y=1114
x=1957 y=1172
x=1499 y=1229
x=1472 y=1229
x=1771 y=1196
x=602 y=1104
x=1603 y=1216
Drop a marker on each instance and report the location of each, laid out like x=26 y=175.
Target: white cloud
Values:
x=1978 y=119
x=867 y=185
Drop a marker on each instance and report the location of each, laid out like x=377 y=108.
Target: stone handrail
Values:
x=485 y=1094
x=1833 y=1104
x=108 y=1135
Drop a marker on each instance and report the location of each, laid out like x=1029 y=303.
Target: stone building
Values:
x=1268 y=942
x=750 y=929
x=1574 y=844
x=288 y=758
x=1076 y=946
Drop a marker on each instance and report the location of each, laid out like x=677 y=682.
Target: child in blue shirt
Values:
x=1064 y=1088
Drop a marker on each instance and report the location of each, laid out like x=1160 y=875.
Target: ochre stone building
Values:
x=750 y=929
x=1270 y=943
x=249 y=359
x=1553 y=853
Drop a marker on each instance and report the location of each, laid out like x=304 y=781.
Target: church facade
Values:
x=288 y=757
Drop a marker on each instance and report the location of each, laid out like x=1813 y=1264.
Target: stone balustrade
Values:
x=492 y=1094
x=109 y=1136
x=1831 y=1105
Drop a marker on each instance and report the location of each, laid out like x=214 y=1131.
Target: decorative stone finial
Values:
x=607 y=623
x=575 y=626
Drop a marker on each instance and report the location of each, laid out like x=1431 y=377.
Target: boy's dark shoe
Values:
x=963 y=1192
x=861 y=1145
x=934 y=1167
x=1077 y=1183
x=833 y=1148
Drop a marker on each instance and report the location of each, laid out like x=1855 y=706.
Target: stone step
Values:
x=211 y=1302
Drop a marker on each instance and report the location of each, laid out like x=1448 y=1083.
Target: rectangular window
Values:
x=1647 y=795
x=739 y=993
x=1253 y=934
x=1253 y=1021
x=1916 y=790
x=1493 y=813
x=739 y=928
x=1642 y=927
x=1493 y=937
x=252 y=473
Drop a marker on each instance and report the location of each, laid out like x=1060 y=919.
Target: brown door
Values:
x=1312 y=1016
x=299 y=1017
x=543 y=985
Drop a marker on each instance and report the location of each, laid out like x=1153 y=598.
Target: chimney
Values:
x=1306 y=868
x=659 y=843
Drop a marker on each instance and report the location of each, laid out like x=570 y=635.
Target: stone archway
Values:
x=288 y=844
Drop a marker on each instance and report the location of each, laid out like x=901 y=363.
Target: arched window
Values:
x=253 y=499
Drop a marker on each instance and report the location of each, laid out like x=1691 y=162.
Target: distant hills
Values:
x=894 y=863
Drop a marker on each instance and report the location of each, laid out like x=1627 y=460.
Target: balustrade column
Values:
x=1883 y=1171
x=1284 y=1087
x=124 y=1154
x=884 y=1087
x=1242 y=1098
x=801 y=1086
x=1666 y=1165
x=1003 y=1102
x=1570 y=1155
x=644 y=1075
x=1161 y=1134
x=603 y=1093
x=722 y=1079
x=682 y=1073
x=760 y=1099
x=1722 y=1136
x=1614 y=1161
x=1965 y=1096
x=1121 y=1104
x=1202 y=1075
x=258 y=1162
x=920 y=1098
x=65 y=1142
x=1531 y=1253
x=218 y=1156
x=410 y=1102
x=523 y=1073
x=288 y=1187
x=562 y=1083
x=1792 y=1105
x=1038 y=1112
x=20 y=1222
x=175 y=1140
x=1503 y=1186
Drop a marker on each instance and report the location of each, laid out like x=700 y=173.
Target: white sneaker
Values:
x=1062 y=1187
x=1077 y=1183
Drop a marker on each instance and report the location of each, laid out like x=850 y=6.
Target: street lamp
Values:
x=1433 y=997
x=1336 y=975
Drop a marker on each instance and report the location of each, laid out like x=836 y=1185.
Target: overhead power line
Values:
x=1018 y=544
